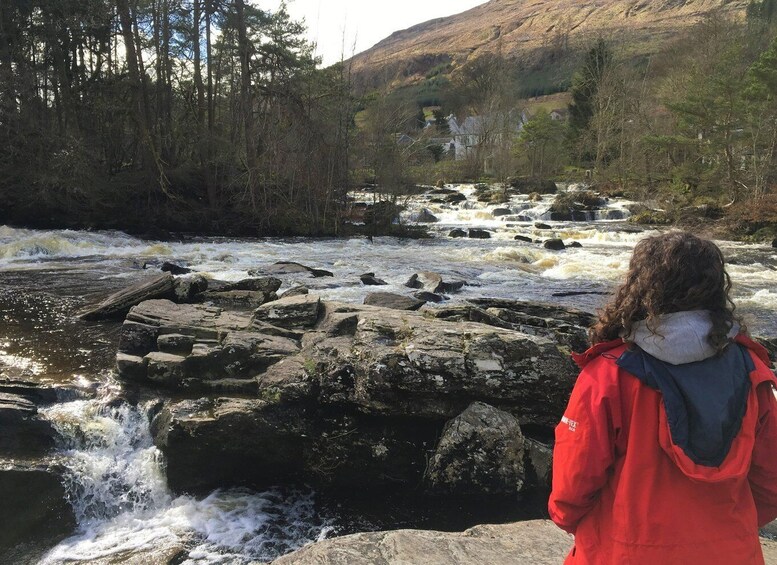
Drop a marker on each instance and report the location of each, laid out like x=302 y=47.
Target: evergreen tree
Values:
x=585 y=85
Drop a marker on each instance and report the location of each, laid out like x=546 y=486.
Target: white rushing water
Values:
x=496 y=267
x=116 y=485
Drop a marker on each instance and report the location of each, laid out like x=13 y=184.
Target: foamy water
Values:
x=498 y=267
x=116 y=485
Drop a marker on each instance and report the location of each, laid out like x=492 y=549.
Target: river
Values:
x=115 y=477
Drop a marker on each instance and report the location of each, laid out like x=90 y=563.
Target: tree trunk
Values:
x=150 y=160
x=246 y=99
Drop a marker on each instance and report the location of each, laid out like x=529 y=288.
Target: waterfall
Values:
x=116 y=485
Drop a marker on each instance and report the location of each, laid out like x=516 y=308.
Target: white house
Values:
x=476 y=130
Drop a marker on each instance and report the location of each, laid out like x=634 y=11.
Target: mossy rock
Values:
x=576 y=201
x=651 y=218
x=530 y=185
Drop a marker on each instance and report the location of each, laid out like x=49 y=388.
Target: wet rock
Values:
x=542 y=226
x=264 y=284
x=774 y=242
x=535 y=197
x=369 y=279
x=480 y=452
x=497 y=212
x=536 y=542
x=174 y=269
x=426 y=217
x=457 y=232
x=523 y=238
x=186 y=289
x=542 y=313
x=172 y=552
x=554 y=245
x=539 y=457
x=566 y=326
x=176 y=343
x=118 y=304
x=295 y=291
x=289 y=268
x=454 y=286
x=568 y=293
x=35 y=507
x=229 y=441
x=238 y=299
x=393 y=301
x=23 y=432
x=455 y=198
x=575 y=244
x=475 y=233
x=35 y=391
x=165 y=369
x=137 y=339
x=131 y=368
x=529 y=185
x=355 y=397
x=293 y=312
x=573 y=205
x=429 y=296
x=426 y=280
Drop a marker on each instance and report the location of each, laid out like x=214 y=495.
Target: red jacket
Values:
x=630 y=496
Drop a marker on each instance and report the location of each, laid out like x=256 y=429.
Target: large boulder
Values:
x=480 y=452
x=229 y=441
x=294 y=312
x=357 y=397
x=554 y=245
x=537 y=542
x=34 y=508
x=186 y=289
x=23 y=432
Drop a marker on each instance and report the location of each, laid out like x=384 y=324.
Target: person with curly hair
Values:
x=667 y=451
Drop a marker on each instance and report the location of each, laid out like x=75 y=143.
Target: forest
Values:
x=197 y=115
x=213 y=116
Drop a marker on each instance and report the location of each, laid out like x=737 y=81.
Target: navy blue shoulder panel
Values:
x=705 y=401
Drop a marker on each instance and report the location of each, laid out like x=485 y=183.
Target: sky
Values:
x=351 y=26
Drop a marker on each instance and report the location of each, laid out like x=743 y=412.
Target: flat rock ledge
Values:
x=535 y=542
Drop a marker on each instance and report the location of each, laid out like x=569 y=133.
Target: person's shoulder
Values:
x=600 y=353
x=598 y=366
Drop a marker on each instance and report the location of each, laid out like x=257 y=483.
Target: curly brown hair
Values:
x=671 y=272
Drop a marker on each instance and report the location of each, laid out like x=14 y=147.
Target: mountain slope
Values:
x=534 y=31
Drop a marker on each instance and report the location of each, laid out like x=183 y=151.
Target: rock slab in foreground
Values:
x=537 y=542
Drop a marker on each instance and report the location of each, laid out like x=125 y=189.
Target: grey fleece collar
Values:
x=682 y=339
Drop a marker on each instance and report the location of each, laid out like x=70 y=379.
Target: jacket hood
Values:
x=737 y=464
x=704 y=401
x=680 y=338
